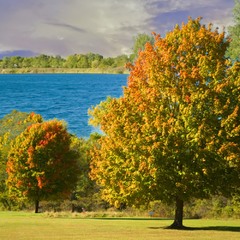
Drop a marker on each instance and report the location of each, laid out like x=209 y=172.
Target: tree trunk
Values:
x=36 y=206
x=178 y=220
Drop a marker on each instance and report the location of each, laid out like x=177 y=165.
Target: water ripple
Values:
x=62 y=96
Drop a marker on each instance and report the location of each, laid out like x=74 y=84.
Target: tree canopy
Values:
x=41 y=165
x=174 y=134
x=83 y=61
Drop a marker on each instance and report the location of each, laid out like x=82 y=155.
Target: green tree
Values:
x=41 y=165
x=27 y=62
x=86 y=193
x=82 y=61
x=106 y=62
x=174 y=134
x=234 y=31
x=5 y=63
x=56 y=62
x=121 y=60
x=71 y=61
x=15 y=62
x=41 y=61
x=94 y=59
x=139 y=44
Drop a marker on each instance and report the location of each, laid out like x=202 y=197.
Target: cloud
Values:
x=68 y=26
x=167 y=13
x=106 y=27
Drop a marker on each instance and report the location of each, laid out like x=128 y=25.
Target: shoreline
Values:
x=118 y=70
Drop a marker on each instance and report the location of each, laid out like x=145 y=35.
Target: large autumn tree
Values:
x=11 y=125
x=174 y=134
x=41 y=165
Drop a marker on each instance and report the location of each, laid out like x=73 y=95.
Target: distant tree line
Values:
x=89 y=60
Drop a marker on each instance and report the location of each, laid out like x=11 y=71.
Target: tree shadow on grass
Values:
x=210 y=228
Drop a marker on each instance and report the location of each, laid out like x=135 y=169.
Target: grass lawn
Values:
x=30 y=226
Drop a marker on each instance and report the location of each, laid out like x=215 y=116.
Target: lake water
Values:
x=63 y=96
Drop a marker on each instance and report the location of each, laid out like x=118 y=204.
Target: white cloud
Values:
x=106 y=27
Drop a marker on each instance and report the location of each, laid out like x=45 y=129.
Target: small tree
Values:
x=86 y=192
x=234 y=31
x=40 y=164
x=11 y=126
x=139 y=44
x=174 y=135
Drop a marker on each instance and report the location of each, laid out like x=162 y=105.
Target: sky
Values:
x=106 y=27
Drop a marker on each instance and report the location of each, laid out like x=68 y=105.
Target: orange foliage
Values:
x=178 y=100
x=40 y=159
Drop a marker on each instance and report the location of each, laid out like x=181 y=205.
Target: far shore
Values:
x=118 y=70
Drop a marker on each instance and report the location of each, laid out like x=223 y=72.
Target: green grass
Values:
x=29 y=226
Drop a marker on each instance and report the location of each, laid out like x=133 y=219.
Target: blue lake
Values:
x=63 y=96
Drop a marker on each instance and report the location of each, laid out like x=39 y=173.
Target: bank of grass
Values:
x=30 y=226
x=110 y=70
